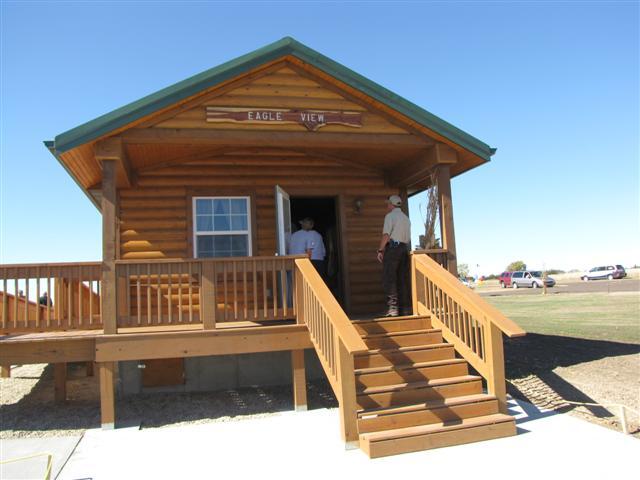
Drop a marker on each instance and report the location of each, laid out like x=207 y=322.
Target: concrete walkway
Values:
x=60 y=449
x=307 y=445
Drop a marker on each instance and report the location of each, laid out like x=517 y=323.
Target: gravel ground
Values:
x=27 y=408
x=553 y=371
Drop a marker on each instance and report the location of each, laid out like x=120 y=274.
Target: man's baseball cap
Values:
x=394 y=200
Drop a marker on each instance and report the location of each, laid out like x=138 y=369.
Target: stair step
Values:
x=393 y=324
x=407 y=373
x=403 y=339
x=412 y=354
x=435 y=411
x=416 y=392
x=424 y=437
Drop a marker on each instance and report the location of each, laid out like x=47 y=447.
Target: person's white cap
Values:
x=395 y=200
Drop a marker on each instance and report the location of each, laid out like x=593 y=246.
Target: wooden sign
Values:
x=311 y=119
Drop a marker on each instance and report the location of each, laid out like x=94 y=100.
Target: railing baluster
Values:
x=80 y=286
x=180 y=293
x=245 y=300
x=225 y=302
x=275 y=288
x=48 y=298
x=5 y=301
x=284 y=280
x=235 y=290
x=255 y=289
x=38 y=297
x=159 y=292
x=149 y=321
x=191 y=293
x=169 y=292
x=263 y=263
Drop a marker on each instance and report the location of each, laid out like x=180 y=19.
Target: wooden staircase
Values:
x=399 y=383
x=412 y=393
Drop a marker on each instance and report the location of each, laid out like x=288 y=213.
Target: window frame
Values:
x=194 y=222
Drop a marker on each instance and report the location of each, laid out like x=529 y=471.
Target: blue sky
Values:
x=554 y=86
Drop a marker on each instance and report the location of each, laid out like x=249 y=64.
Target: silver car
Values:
x=530 y=278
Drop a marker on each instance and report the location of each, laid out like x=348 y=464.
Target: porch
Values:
x=200 y=307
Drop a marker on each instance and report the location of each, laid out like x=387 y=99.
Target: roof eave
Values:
x=50 y=144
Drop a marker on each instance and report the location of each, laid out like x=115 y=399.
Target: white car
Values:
x=607 y=271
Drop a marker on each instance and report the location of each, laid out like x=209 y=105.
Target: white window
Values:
x=221 y=227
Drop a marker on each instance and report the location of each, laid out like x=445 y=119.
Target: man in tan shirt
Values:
x=393 y=253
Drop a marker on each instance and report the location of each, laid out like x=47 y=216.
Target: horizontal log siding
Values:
x=283 y=89
x=154 y=222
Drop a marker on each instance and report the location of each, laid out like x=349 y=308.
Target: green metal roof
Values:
x=287 y=46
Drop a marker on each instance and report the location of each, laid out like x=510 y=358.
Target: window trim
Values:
x=194 y=222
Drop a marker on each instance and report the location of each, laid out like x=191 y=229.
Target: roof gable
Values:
x=287 y=46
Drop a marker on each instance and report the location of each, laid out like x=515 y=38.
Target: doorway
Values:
x=324 y=212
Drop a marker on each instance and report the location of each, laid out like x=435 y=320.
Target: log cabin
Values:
x=199 y=185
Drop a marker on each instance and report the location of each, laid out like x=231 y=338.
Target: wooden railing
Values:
x=439 y=255
x=53 y=296
x=467 y=321
x=204 y=291
x=335 y=339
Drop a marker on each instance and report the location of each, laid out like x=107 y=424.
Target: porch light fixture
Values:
x=357 y=205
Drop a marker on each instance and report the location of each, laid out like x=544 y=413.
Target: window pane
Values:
x=221 y=223
x=238 y=222
x=238 y=205
x=205 y=246
x=222 y=242
x=204 y=223
x=221 y=206
x=204 y=206
x=239 y=242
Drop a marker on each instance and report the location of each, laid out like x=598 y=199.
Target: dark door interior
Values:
x=324 y=212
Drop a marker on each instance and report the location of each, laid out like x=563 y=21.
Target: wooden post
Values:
x=89 y=366
x=446 y=217
x=107 y=395
x=496 y=383
x=414 y=285
x=60 y=381
x=5 y=371
x=299 y=380
x=348 y=403
x=208 y=300
x=109 y=308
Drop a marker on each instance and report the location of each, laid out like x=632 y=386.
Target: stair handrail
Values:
x=467 y=321
x=334 y=338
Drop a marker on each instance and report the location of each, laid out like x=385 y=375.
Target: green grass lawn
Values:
x=598 y=316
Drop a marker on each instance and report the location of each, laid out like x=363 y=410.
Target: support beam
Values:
x=113 y=149
x=299 y=380
x=446 y=218
x=203 y=136
x=60 y=381
x=109 y=235
x=5 y=371
x=89 y=369
x=417 y=169
x=107 y=395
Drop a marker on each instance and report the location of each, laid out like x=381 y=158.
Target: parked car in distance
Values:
x=608 y=271
x=530 y=278
x=467 y=283
x=505 y=279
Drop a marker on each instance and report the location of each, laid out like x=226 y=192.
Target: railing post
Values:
x=109 y=308
x=496 y=383
x=208 y=300
x=299 y=283
x=414 y=286
x=348 y=401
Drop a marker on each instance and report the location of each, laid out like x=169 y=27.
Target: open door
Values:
x=283 y=220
